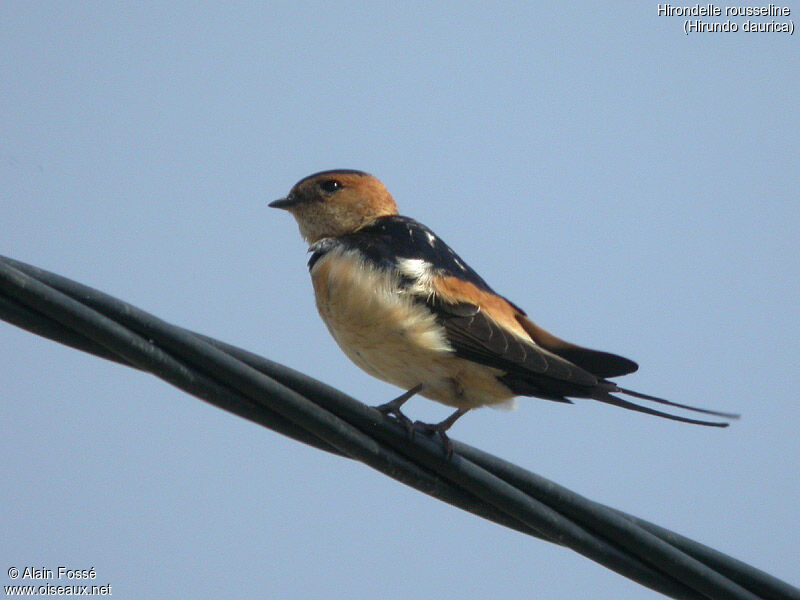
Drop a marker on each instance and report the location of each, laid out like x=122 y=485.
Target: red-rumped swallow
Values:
x=407 y=309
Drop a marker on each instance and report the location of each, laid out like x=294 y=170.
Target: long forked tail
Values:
x=705 y=411
x=616 y=401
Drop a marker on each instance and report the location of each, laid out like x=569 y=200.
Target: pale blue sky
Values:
x=632 y=188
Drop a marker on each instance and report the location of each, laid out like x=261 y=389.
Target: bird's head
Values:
x=338 y=202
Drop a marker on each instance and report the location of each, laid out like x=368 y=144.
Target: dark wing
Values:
x=535 y=371
x=602 y=364
x=395 y=236
x=533 y=368
x=530 y=369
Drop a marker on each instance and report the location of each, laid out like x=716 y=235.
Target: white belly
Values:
x=395 y=339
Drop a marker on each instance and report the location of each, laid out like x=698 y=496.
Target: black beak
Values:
x=284 y=203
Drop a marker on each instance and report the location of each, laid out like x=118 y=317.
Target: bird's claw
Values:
x=389 y=409
x=393 y=408
x=431 y=429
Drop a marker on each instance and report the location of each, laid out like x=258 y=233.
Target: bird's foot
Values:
x=393 y=408
x=441 y=428
x=432 y=429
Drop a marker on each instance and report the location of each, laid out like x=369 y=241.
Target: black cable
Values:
x=298 y=406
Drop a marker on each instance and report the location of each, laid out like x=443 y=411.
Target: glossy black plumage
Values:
x=395 y=237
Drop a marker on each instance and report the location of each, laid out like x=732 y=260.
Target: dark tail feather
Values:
x=705 y=411
x=609 y=399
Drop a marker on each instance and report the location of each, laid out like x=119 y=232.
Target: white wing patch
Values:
x=419 y=271
x=414 y=268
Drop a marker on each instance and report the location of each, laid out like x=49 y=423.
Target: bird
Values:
x=405 y=308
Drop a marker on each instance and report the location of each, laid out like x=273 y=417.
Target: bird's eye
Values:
x=330 y=185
